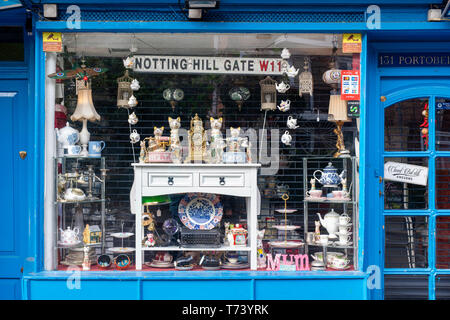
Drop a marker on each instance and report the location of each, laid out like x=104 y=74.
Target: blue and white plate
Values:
x=202 y=211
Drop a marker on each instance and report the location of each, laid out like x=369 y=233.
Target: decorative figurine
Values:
x=175 y=145
x=317 y=231
x=235 y=144
x=143 y=152
x=260 y=249
x=217 y=143
x=150 y=242
x=197 y=141
x=156 y=151
x=86 y=263
x=239 y=235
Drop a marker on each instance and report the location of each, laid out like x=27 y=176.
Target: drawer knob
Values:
x=170 y=181
x=222 y=181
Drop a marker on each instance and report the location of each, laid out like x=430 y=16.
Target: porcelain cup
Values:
x=315 y=193
x=134 y=136
x=72 y=150
x=323 y=239
x=344 y=238
x=345 y=229
x=338 y=194
x=344 y=219
x=96 y=148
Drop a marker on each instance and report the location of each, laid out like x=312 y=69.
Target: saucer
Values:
x=121 y=249
x=238 y=265
x=211 y=268
x=185 y=268
x=287 y=210
x=285 y=244
x=122 y=234
x=336 y=268
x=286 y=228
x=159 y=264
x=67 y=244
x=337 y=243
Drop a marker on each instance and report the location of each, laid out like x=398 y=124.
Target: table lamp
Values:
x=337 y=112
x=85 y=111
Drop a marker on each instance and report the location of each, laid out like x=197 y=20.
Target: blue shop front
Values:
x=253 y=150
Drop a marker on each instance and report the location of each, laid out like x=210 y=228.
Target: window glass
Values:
x=443 y=124
x=405 y=126
x=234 y=96
x=11 y=44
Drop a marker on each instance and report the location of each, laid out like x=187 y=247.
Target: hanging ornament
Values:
x=173 y=95
x=135 y=85
x=305 y=79
x=124 y=91
x=292 y=72
x=132 y=102
x=239 y=95
x=132 y=119
x=268 y=93
x=424 y=126
x=128 y=62
x=285 y=54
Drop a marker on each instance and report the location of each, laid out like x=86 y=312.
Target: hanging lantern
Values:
x=305 y=80
x=124 y=91
x=173 y=95
x=239 y=95
x=268 y=94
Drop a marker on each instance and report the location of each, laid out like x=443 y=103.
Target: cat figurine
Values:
x=155 y=144
x=217 y=144
x=261 y=261
x=175 y=145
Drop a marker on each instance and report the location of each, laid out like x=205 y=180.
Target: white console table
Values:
x=240 y=180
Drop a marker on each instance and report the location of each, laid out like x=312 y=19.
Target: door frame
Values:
x=375 y=137
x=29 y=206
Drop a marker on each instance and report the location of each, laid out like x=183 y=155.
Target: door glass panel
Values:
x=403 y=124
x=443 y=242
x=406 y=242
x=443 y=287
x=442 y=183
x=443 y=124
x=405 y=287
x=405 y=196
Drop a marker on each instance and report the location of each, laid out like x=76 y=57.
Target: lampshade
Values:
x=85 y=109
x=337 y=110
x=155 y=200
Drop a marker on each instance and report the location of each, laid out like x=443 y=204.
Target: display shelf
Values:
x=94 y=173
x=176 y=248
x=154 y=179
x=349 y=165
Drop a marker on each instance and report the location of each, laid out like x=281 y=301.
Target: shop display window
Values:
x=266 y=103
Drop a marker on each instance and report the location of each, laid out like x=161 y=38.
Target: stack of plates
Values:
x=234 y=266
x=159 y=264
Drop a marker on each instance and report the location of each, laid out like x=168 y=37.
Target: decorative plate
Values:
x=287 y=228
x=122 y=235
x=285 y=244
x=162 y=265
x=121 y=249
x=235 y=266
x=287 y=210
x=68 y=245
x=200 y=211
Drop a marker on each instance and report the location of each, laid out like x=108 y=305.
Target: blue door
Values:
x=14 y=180
x=414 y=187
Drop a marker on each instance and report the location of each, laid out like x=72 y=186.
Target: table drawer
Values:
x=170 y=180
x=222 y=180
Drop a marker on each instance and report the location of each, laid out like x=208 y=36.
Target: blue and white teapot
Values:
x=329 y=176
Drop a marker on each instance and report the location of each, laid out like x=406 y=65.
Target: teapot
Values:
x=329 y=176
x=128 y=62
x=135 y=85
x=69 y=236
x=285 y=54
x=67 y=136
x=133 y=119
x=292 y=123
x=132 y=102
x=292 y=72
x=286 y=138
x=284 y=105
x=282 y=87
x=330 y=222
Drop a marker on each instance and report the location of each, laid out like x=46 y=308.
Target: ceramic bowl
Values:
x=104 y=261
x=122 y=261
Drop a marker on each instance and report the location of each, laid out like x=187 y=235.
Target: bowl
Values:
x=104 y=261
x=122 y=261
x=315 y=193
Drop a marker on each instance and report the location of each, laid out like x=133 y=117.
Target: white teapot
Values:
x=282 y=87
x=286 y=138
x=292 y=123
x=284 y=105
x=132 y=119
x=128 y=62
x=132 y=102
x=135 y=85
x=134 y=136
x=67 y=136
x=292 y=72
x=70 y=236
x=330 y=222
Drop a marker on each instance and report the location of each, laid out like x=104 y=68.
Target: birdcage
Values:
x=268 y=94
x=124 y=91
